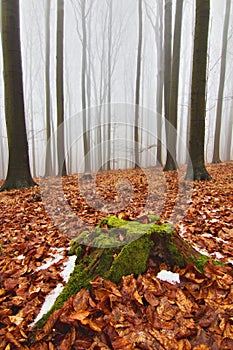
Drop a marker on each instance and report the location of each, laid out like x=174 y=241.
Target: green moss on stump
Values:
x=116 y=248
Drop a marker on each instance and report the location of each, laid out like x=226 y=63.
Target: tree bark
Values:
x=108 y=163
x=18 y=174
x=86 y=141
x=196 y=167
x=137 y=90
x=160 y=83
x=216 y=155
x=48 y=160
x=171 y=161
x=60 y=89
x=229 y=145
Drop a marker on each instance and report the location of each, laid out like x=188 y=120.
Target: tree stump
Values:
x=117 y=248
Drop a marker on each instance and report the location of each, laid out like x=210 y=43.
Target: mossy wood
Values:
x=154 y=242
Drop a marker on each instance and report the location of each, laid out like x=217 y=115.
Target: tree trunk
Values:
x=167 y=58
x=229 y=145
x=171 y=162
x=60 y=89
x=196 y=166
x=117 y=248
x=18 y=174
x=86 y=141
x=160 y=83
x=216 y=155
x=48 y=160
x=137 y=91
x=108 y=164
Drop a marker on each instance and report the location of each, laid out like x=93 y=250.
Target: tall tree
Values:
x=157 y=26
x=167 y=56
x=138 y=80
x=109 y=83
x=160 y=82
x=196 y=167
x=229 y=140
x=86 y=137
x=60 y=89
x=171 y=162
x=18 y=174
x=48 y=160
x=216 y=155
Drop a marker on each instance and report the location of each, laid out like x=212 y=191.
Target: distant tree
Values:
x=160 y=83
x=48 y=160
x=60 y=89
x=216 y=155
x=108 y=165
x=196 y=167
x=18 y=174
x=229 y=141
x=167 y=56
x=171 y=162
x=86 y=136
x=81 y=9
x=137 y=90
x=157 y=26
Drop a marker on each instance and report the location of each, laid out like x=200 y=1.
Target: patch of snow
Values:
x=221 y=240
x=50 y=262
x=217 y=255
x=182 y=229
x=21 y=257
x=207 y=235
x=168 y=276
x=202 y=251
x=57 y=250
x=214 y=220
x=52 y=296
x=49 y=301
x=68 y=268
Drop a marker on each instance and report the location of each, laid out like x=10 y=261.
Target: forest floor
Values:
x=141 y=312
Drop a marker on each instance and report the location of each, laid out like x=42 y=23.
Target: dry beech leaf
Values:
x=93 y=325
x=80 y=315
x=183 y=302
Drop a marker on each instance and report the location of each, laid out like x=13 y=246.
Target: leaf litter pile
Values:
x=141 y=312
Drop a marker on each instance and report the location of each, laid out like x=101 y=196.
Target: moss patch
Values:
x=117 y=248
x=202 y=261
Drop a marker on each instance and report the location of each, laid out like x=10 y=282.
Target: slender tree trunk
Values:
x=33 y=160
x=138 y=79
x=167 y=58
x=2 y=158
x=88 y=81
x=18 y=174
x=229 y=145
x=48 y=160
x=171 y=162
x=160 y=82
x=60 y=89
x=109 y=85
x=189 y=114
x=86 y=145
x=196 y=167
x=216 y=155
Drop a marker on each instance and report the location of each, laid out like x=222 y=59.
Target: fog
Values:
x=124 y=53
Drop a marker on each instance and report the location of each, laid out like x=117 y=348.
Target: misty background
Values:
x=124 y=41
